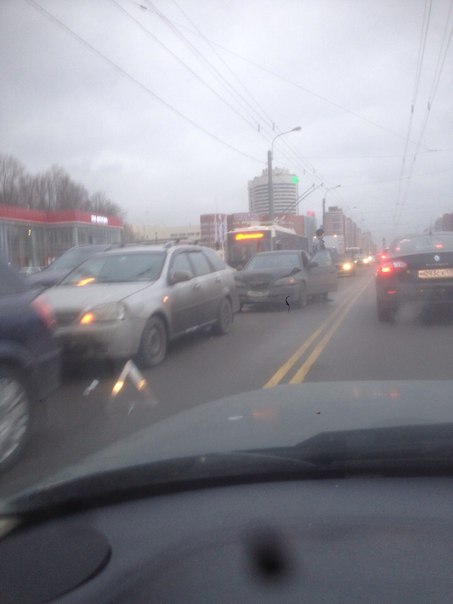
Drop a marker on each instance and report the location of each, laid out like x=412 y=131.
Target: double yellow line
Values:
x=329 y=326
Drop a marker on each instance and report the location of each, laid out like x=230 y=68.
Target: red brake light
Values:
x=388 y=268
x=42 y=308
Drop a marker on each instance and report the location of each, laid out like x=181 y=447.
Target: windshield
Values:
x=430 y=243
x=273 y=261
x=72 y=258
x=117 y=268
x=250 y=203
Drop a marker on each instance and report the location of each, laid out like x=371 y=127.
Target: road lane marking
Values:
x=289 y=364
x=301 y=374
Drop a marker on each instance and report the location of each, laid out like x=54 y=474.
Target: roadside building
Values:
x=160 y=233
x=36 y=237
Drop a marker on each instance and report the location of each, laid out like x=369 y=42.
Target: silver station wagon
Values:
x=131 y=301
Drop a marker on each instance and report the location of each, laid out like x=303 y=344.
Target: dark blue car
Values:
x=29 y=361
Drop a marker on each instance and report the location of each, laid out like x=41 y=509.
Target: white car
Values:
x=131 y=301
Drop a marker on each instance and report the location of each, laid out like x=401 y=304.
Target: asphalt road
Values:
x=340 y=339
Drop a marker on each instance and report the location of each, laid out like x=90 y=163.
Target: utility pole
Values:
x=270 y=186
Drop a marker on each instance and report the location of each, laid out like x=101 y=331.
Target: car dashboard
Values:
x=360 y=539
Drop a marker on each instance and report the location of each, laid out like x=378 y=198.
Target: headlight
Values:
x=285 y=281
x=347 y=266
x=112 y=311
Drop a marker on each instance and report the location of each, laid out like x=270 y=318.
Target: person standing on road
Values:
x=318 y=243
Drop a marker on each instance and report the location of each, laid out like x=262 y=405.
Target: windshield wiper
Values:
x=154 y=478
x=421 y=443
x=404 y=450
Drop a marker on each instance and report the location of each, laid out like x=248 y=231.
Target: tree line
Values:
x=50 y=190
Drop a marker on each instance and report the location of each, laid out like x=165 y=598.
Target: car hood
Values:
x=273 y=418
x=47 y=278
x=67 y=297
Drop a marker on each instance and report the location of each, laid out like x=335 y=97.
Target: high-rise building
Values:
x=334 y=221
x=285 y=192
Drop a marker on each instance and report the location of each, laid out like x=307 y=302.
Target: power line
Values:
x=420 y=57
x=199 y=78
x=218 y=74
x=306 y=166
x=264 y=116
x=131 y=78
x=214 y=71
x=292 y=83
x=442 y=54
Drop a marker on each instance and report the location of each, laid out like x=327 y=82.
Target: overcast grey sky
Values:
x=141 y=110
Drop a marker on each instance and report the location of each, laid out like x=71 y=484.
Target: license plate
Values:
x=255 y=294
x=436 y=273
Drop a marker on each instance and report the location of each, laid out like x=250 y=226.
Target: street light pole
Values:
x=270 y=185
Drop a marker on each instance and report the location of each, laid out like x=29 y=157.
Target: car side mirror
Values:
x=179 y=277
x=295 y=270
x=312 y=264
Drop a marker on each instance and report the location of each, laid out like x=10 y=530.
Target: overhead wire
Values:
x=305 y=165
x=219 y=76
x=50 y=16
x=418 y=70
x=283 y=142
x=441 y=57
x=262 y=111
x=289 y=81
x=185 y=65
x=194 y=50
x=59 y=23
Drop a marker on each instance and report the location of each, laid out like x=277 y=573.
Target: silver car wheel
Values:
x=153 y=347
x=14 y=417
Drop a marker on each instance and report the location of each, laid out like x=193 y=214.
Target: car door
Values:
x=322 y=276
x=210 y=287
x=184 y=297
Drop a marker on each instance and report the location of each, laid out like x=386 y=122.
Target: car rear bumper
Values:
x=429 y=294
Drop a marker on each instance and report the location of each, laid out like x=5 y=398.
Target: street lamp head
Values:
x=297 y=128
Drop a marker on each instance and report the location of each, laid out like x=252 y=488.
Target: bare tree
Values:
x=50 y=190
x=28 y=191
x=11 y=171
x=101 y=204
